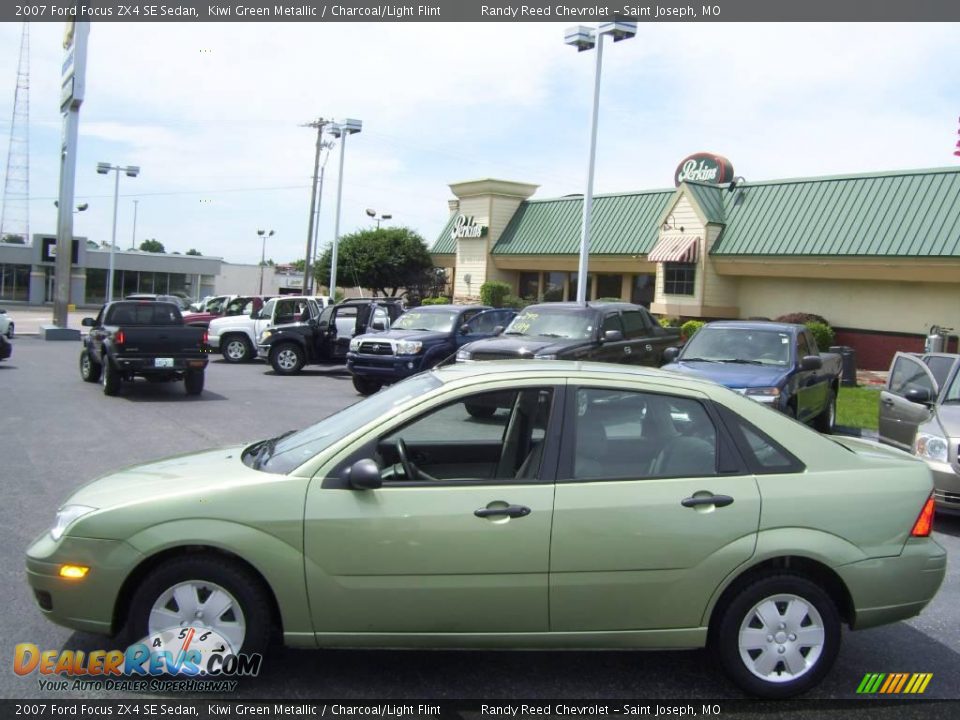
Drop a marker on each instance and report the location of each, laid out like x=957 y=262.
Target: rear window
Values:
x=145 y=313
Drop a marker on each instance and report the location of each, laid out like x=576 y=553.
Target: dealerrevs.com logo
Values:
x=894 y=683
x=179 y=659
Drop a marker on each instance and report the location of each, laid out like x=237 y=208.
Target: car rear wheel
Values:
x=366 y=386
x=89 y=369
x=110 y=377
x=236 y=349
x=827 y=419
x=287 y=359
x=209 y=592
x=778 y=636
x=193 y=382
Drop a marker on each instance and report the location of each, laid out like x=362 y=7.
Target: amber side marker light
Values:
x=74 y=572
x=924 y=523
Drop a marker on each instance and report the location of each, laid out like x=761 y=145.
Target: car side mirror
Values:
x=364 y=475
x=498 y=330
x=811 y=362
x=612 y=336
x=88 y=322
x=921 y=396
x=312 y=322
x=378 y=326
x=670 y=354
x=464 y=329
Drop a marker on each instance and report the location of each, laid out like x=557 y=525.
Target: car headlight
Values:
x=66 y=516
x=545 y=356
x=930 y=447
x=409 y=347
x=265 y=335
x=463 y=354
x=763 y=394
x=355 y=344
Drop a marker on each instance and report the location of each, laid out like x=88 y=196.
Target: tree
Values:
x=191 y=251
x=298 y=265
x=152 y=245
x=14 y=239
x=385 y=260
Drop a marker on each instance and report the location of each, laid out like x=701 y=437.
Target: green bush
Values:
x=669 y=322
x=435 y=301
x=690 y=327
x=822 y=333
x=494 y=292
x=518 y=303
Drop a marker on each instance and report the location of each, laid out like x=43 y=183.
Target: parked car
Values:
x=181 y=302
x=776 y=364
x=6 y=347
x=147 y=339
x=235 y=336
x=604 y=331
x=326 y=339
x=920 y=413
x=6 y=324
x=418 y=340
x=607 y=506
x=203 y=312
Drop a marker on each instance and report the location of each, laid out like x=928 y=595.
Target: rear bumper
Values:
x=885 y=590
x=148 y=365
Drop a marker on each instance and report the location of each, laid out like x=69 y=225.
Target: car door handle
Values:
x=514 y=511
x=717 y=500
x=888 y=402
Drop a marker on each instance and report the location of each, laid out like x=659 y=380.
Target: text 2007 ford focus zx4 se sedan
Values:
x=592 y=506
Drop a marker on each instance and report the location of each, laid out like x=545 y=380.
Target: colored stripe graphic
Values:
x=894 y=683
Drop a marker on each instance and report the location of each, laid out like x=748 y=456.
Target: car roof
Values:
x=593 y=304
x=755 y=325
x=449 y=307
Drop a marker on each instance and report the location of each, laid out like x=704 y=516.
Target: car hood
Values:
x=732 y=375
x=522 y=346
x=949 y=417
x=421 y=335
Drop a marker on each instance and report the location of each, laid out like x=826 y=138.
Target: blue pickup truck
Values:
x=777 y=364
x=418 y=340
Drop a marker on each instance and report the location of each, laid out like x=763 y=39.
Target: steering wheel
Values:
x=409 y=469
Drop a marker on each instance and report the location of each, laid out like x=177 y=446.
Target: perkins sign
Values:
x=704 y=168
x=466 y=227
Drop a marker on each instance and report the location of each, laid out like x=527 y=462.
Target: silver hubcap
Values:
x=85 y=365
x=236 y=349
x=199 y=602
x=781 y=638
x=287 y=359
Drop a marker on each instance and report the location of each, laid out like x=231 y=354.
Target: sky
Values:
x=212 y=113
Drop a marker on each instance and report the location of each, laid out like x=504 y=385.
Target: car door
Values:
x=900 y=417
x=461 y=548
x=481 y=325
x=808 y=393
x=638 y=331
x=342 y=328
x=652 y=511
x=613 y=351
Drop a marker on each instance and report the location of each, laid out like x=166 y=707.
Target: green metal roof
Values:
x=710 y=199
x=896 y=214
x=445 y=244
x=620 y=225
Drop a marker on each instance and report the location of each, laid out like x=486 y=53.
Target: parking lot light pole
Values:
x=583 y=38
x=264 y=234
x=340 y=130
x=378 y=218
x=129 y=171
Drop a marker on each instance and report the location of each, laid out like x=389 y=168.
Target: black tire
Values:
x=287 y=358
x=10 y=331
x=825 y=421
x=236 y=348
x=481 y=411
x=366 y=386
x=251 y=608
x=193 y=381
x=110 y=377
x=815 y=616
x=89 y=368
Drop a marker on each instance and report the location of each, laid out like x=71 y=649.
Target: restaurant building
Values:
x=876 y=254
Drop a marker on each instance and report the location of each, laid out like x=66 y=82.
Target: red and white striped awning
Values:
x=675 y=249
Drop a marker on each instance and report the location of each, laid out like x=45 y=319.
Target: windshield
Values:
x=764 y=347
x=291 y=451
x=552 y=324
x=433 y=321
x=953 y=390
x=236 y=306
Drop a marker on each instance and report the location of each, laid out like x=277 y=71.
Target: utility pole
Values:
x=319 y=124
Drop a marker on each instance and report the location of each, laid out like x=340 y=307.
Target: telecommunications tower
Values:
x=15 y=211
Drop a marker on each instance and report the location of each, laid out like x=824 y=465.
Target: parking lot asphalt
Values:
x=57 y=432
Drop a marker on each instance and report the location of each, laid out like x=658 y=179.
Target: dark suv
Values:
x=600 y=331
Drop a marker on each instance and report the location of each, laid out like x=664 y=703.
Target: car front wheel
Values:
x=287 y=359
x=827 y=419
x=209 y=592
x=777 y=637
x=10 y=331
x=89 y=369
x=366 y=386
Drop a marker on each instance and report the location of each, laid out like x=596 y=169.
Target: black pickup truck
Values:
x=146 y=339
x=326 y=339
x=600 y=331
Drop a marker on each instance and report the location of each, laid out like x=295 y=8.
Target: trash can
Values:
x=848 y=356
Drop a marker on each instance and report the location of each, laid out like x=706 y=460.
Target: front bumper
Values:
x=88 y=604
x=889 y=589
x=385 y=367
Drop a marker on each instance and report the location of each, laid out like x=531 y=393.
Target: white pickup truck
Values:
x=236 y=337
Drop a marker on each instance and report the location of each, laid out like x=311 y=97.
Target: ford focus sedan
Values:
x=592 y=506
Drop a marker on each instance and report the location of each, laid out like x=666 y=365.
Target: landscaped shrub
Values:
x=822 y=333
x=801 y=318
x=494 y=292
x=436 y=301
x=518 y=303
x=670 y=322
x=689 y=328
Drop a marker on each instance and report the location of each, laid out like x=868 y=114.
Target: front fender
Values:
x=278 y=562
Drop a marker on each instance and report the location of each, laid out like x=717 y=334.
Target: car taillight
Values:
x=924 y=523
x=205 y=338
x=120 y=338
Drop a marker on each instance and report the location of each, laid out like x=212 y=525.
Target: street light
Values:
x=130 y=171
x=264 y=234
x=383 y=216
x=340 y=130
x=583 y=38
x=133 y=236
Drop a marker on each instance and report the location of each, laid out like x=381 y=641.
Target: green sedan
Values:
x=513 y=505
